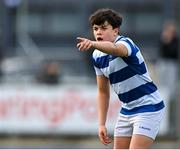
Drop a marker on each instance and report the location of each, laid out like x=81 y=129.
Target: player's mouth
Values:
x=99 y=39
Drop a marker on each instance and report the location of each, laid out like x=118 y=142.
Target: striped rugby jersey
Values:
x=129 y=78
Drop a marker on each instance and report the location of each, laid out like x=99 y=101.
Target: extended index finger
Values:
x=79 y=39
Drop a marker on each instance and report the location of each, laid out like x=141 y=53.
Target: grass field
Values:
x=70 y=143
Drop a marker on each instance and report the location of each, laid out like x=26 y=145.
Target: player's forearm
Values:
x=105 y=46
x=109 y=48
x=103 y=105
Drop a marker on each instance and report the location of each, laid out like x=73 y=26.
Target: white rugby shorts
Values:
x=147 y=124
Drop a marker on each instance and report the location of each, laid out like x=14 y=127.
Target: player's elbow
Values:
x=120 y=51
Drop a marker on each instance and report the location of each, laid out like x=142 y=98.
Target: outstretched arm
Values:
x=104 y=46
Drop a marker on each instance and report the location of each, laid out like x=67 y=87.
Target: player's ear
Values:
x=116 y=31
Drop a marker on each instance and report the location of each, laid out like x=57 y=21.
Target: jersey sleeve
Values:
x=98 y=71
x=95 y=64
x=126 y=45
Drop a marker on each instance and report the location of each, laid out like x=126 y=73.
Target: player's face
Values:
x=105 y=32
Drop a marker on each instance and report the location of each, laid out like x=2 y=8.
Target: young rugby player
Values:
x=118 y=62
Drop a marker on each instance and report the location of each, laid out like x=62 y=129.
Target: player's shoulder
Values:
x=123 y=39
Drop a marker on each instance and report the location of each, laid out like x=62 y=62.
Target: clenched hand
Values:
x=103 y=135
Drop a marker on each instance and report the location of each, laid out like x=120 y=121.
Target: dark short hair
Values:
x=100 y=16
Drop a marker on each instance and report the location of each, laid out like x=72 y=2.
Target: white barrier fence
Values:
x=59 y=110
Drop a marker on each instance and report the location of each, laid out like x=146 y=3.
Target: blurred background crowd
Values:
x=47 y=86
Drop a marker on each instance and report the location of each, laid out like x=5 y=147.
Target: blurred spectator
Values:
x=169 y=42
x=10 y=22
x=49 y=73
x=168 y=63
x=1 y=59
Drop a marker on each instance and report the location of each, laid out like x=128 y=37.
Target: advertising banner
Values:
x=55 y=110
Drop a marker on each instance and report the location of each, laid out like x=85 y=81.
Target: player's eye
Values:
x=95 y=28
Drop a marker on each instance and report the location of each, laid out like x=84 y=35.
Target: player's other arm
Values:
x=103 y=105
x=104 y=46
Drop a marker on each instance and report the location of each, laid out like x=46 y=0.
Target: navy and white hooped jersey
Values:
x=129 y=78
